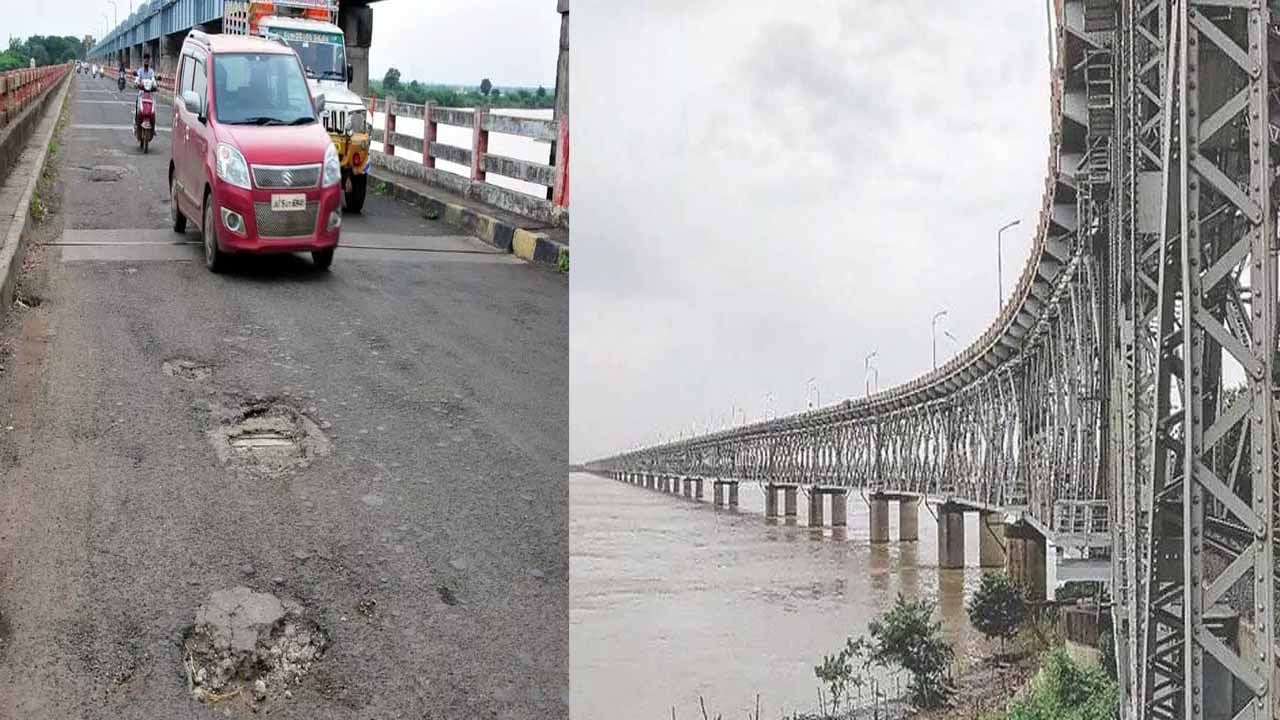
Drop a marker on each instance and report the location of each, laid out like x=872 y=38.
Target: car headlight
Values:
x=332 y=166
x=356 y=121
x=232 y=168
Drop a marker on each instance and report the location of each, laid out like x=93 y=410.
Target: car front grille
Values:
x=335 y=121
x=273 y=177
x=274 y=224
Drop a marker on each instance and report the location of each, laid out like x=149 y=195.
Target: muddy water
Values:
x=672 y=600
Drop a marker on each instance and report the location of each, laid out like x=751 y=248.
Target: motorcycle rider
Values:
x=145 y=73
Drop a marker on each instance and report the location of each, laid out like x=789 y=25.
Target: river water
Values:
x=671 y=600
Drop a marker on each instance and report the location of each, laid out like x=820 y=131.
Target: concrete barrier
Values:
x=40 y=119
x=22 y=93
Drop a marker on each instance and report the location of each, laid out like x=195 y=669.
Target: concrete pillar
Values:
x=562 y=77
x=950 y=536
x=718 y=488
x=789 y=500
x=733 y=494
x=991 y=543
x=909 y=519
x=770 y=501
x=815 y=508
x=879 y=518
x=356 y=22
x=170 y=47
x=697 y=484
x=839 y=510
x=1026 y=552
x=688 y=487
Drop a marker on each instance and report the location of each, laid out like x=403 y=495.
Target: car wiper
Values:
x=260 y=120
x=304 y=120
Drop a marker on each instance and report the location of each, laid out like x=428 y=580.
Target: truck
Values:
x=310 y=28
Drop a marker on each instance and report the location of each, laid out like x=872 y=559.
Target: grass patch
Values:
x=49 y=172
x=1066 y=691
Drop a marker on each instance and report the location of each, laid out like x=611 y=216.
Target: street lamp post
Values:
x=813 y=381
x=768 y=404
x=115 y=12
x=866 y=376
x=1000 y=261
x=934 y=328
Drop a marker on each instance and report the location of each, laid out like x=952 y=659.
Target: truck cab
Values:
x=309 y=27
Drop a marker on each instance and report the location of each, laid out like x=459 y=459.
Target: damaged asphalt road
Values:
x=382 y=447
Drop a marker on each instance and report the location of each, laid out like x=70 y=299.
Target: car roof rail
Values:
x=199 y=36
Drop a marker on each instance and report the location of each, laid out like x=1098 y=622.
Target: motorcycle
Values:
x=120 y=81
x=144 y=116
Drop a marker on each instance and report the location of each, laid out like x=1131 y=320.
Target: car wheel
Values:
x=179 y=220
x=322 y=258
x=355 y=197
x=214 y=258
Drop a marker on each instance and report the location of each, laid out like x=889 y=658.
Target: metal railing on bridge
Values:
x=477 y=158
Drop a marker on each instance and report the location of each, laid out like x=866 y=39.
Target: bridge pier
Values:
x=908 y=519
x=721 y=486
x=879 y=512
x=950 y=536
x=1026 y=549
x=839 y=506
x=991 y=542
x=788 y=491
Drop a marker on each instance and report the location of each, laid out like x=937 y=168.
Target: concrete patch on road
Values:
x=251 y=646
x=186 y=369
x=267 y=437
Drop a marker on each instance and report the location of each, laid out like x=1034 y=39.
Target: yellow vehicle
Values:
x=310 y=28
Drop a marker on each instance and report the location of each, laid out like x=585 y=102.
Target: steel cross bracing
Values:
x=1124 y=399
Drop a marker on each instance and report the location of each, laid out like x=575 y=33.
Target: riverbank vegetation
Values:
x=485 y=94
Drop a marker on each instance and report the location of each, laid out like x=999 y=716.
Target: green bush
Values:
x=908 y=636
x=1066 y=691
x=997 y=607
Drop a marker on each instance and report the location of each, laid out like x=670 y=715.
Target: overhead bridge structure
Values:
x=1123 y=402
x=158 y=27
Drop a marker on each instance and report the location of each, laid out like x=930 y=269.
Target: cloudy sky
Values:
x=764 y=195
x=512 y=42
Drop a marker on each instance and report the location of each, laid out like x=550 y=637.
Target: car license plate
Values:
x=289 y=203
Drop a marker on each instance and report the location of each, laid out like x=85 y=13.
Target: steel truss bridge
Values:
x=1124 y=400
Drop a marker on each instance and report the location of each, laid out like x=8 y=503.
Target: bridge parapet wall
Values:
x=22 y=93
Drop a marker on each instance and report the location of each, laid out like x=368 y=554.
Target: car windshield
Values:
x=323 y=56
x=266 y=89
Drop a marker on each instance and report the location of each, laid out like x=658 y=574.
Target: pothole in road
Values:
x=106 y=173
x=269 y=437
x=249 y=645
x=186 y=369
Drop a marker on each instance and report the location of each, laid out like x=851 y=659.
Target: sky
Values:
x=512 y=42
x=762 y=197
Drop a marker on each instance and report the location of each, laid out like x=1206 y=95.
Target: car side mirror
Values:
x=192 y=102
x=351 y=73
x=320 y=102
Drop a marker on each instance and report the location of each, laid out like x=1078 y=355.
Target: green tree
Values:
x=391 y=81
x=1066 y=691
x=485 y=87
x=541 y=92
x=997 y=608
x=495 y=92
x=908 y=637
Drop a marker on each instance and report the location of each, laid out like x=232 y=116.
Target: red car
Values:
x=251 y=166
